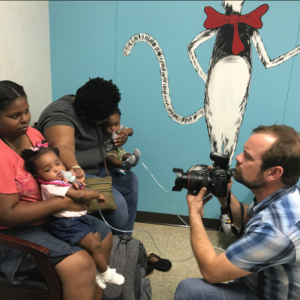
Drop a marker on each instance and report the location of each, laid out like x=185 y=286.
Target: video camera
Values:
x=214 y=180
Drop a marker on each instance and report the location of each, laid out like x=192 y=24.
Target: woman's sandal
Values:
x=158 y=263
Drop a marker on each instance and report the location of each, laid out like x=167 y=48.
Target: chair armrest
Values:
x=41 y=255
x=24 y=246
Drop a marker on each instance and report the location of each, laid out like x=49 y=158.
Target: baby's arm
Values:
x=85 y=195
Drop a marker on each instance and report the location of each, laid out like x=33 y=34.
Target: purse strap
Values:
x=100 y=145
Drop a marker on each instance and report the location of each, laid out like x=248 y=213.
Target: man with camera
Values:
x=265 y=261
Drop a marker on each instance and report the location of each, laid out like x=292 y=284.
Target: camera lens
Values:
x=197 y=181
x=181 y=180
x=198 y=176
x=192 y=181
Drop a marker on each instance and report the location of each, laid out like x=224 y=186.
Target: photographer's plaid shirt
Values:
x=270 y=246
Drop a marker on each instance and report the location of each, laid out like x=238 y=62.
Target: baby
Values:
x=69 y=226
x=116 y=155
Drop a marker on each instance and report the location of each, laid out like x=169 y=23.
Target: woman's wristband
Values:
x=78 y=167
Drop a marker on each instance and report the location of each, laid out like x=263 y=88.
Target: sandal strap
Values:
x=154 y=255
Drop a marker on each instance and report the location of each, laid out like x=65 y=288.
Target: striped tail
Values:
x=144 y=37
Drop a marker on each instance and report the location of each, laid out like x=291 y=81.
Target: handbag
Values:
x=102 y=185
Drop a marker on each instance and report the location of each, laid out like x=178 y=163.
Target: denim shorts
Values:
x=70 y=230
x=12 y=261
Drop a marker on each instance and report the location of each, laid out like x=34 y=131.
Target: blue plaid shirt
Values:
x=270 y=246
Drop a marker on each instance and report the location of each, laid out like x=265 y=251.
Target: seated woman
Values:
x=23 y=213
x=73 y=124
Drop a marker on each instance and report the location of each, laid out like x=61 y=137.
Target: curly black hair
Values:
x=9 y=92
x=31 y=156
x=117 y=111
x=97 y=99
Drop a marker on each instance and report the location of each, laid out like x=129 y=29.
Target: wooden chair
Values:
x=31 y=288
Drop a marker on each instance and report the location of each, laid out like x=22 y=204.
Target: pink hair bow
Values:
x=34 y=148
x=38 y=144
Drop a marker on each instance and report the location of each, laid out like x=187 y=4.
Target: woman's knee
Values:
x=79 y=267
x=133 y=179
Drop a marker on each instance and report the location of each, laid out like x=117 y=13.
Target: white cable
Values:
x=140 y=230
x=186 y=225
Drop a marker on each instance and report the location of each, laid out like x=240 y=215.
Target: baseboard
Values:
x=173 y=220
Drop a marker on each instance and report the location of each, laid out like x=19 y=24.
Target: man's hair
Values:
x=9 y=92
x=284 y=152
x=97 y=99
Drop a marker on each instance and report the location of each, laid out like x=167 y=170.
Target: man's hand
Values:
x=197 y=202
x=229 y=185
x=223 y=200
x=101 y=199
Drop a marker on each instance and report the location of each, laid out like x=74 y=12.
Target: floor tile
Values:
x=174 y=243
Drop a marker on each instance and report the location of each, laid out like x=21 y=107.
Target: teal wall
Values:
x=87 y=40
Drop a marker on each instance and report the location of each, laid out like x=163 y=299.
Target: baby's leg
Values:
x=113 y=160
x=137 y=155
x=126 y=155
x=126 y=164
x=132 y=158
x=92 y=244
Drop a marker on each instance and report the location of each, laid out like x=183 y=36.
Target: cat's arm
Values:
x=263 y=55
x=197 y=41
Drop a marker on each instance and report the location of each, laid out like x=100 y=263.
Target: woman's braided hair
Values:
x=9 y=92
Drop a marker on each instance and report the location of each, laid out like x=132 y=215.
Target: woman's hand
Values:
x=121 y=138
x=101 y=199
x=74 y=206
x=125 y=132
x=197 y=201
x=80 y=176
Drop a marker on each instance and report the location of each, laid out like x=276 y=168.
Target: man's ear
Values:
x=274 y=173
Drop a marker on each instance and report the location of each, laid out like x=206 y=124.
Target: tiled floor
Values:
x=174 y=243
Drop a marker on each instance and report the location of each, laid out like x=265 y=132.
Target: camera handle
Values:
x=233 y=228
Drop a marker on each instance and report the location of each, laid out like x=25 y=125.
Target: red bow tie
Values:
x=253 y=19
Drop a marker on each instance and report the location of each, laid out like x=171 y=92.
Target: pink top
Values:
x=58 y=188
x=14 y=179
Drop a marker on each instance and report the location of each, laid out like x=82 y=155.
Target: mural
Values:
x=228 y=77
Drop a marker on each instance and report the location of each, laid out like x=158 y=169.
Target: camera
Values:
x=214 y=180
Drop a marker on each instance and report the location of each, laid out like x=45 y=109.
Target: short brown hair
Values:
x=285 y=152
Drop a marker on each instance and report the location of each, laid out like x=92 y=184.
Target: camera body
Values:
x=214 y=180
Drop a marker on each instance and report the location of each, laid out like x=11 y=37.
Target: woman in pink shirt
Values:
x=23 y=213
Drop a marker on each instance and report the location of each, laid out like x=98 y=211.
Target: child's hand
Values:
x=101 y=199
